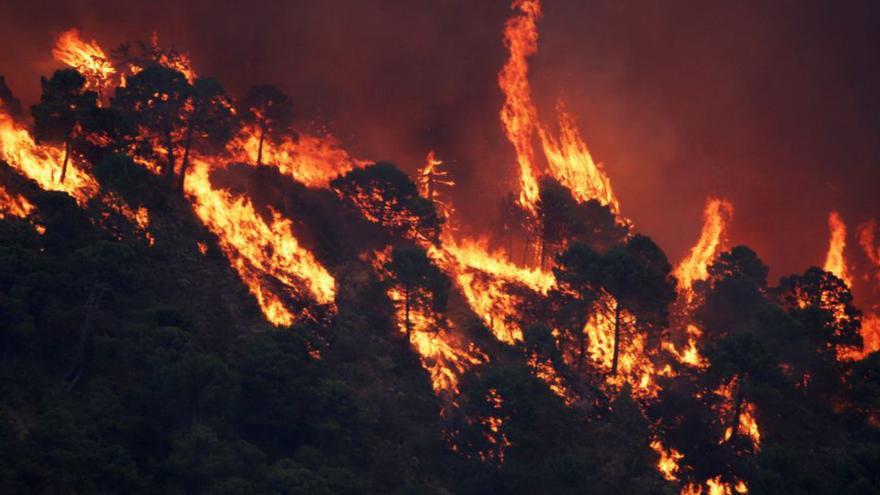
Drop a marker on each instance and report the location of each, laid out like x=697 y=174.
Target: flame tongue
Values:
x=86 y=57
x=43 y=163
x=257 y=248
x=695 y=267
x=835 y=260
x=308 y=159
x=570 y=162
x=568 y=159
x=518 y=115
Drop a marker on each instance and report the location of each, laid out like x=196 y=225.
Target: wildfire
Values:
x=716 y=217
x=42 y=163
x=265 y=253
x=518 y=115
x=689 y=355
x=571 y=164
x=714 y=486
x=139 y=218
x=258 y=249
x=443 y=354
x=669 y=459
x=742 y=418
x=311 y=160
x=633 y=366
x=87 y=58
x=568 y=159
x=545 y=371
x=484 y=280
x=14 y=205
x=835 y=261
x=430 y=178
x=494 y=434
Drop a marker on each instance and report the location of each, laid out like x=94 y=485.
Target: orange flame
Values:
x=572 y=165
x=483 y=278
x=42 y=163
x=689 y=355
x=86 y=57
x=714 y=486
x=835 y=260
x=669 y=459
x=633 y=366
x=568 y=158
x=716 y=216
x=443 y=354
x=308 y=159
x=257 y=248
x=14 y=205
x=518 y=115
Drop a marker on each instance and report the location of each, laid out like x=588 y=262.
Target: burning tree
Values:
x=425 y=288
x=386 y=196
x=430 y=179
x=63 y=104
x=269 y=110
x=209 y=117
x=155 y=100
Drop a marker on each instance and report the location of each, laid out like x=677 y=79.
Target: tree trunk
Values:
x=260 y=146
x=66 y=159
x=737 y=410
x=614 y=359
x=185 y=163
x=169 y=146
x=406 y=312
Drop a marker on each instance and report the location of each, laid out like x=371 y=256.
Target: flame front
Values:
x=14 y=205
x=309 y=159
x=257 y=248
x=43 y=163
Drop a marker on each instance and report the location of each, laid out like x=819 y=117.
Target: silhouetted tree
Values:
x=562 y=220
x=386 y=196
x=154 y=99
x=270 y=110
x=63 y=103
x=734 y=294
x=425 y=287
x=210 y=117
x=820 y=292
x=8 y=102
x=578 y=277
x=638 y=276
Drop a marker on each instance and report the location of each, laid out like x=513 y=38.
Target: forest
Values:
x=198 y=296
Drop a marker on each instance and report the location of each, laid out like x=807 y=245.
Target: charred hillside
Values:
x=199 y=296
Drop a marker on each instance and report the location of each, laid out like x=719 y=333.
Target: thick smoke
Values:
x=771 y=106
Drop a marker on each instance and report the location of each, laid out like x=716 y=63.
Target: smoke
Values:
x=773 y=106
